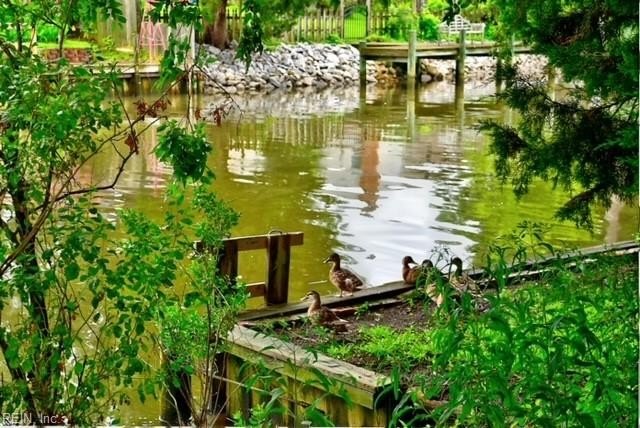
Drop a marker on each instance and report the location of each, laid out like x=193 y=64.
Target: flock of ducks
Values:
x=425 y=274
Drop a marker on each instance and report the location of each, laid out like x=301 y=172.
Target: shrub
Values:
x=402 y=20
x=437 y=7
x=333 y=39
x=428 y=27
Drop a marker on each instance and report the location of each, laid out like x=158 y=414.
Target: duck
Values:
x=410 y=274
x=460 y=280
x=462 y=283
x=343 y=279
x=321 y=315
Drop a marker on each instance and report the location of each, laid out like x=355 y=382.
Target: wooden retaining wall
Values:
x=311 y=378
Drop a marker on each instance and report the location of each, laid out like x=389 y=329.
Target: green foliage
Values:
x=252 y=31
x=186 y=151
x=428 y=27
x=334 y=39
x=402 y=20
x=585 y=142
x=437 y=7
x=545 y=355
x=82 y=295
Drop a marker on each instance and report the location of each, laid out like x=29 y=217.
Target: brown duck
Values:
x=321 y=315
x=410 y=274
x=343 y=279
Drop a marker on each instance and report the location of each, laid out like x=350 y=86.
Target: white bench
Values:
x=460 y=23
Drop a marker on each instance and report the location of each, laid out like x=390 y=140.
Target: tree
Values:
x=215 y=31
x=586 y=141
x=80 y=296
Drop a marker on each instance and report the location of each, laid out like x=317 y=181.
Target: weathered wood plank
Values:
x=291 y=360
x=256 y=289
x=366 y=294
x=257 y=242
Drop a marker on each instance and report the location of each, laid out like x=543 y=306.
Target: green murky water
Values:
x=372 y=178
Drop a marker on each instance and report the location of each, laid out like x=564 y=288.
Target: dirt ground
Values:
x=398 y=316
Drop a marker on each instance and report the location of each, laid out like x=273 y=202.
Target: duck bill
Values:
x=327 y=260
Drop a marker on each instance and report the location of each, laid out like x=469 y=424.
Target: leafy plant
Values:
x=428 y=27
x=402 y=20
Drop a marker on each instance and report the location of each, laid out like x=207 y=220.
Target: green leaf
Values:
x=71 y=271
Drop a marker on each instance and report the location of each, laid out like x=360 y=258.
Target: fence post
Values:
x=278 y=262
x=341 y=19
x=462 y=52
x=368 y=32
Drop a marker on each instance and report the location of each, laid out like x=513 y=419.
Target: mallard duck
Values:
x=460 y=280
x=462 y=283
x=410 y=274
x=321 y=315
x=343 y=279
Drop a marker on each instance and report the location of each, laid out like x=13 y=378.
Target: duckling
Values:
x=343 y=279
x=410 y=274
x=321 y=315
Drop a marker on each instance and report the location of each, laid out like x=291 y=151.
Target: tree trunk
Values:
x=218 y=33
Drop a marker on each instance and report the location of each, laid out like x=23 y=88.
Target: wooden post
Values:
x=278 y=261
x=341 y=19
x=411 y=59
x=462 y=53
x=176 y=409
x=368 y=30
x=228 y=261
x=363 y=66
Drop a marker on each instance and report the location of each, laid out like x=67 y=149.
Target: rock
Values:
x=425 y=78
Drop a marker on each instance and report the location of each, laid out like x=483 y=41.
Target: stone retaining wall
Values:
x=319 y=66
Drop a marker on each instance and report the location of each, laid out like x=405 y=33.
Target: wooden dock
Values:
x=411 y=52
x=399 y=52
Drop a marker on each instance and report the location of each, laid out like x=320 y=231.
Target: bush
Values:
x=428 y=27
x=46 y=34
x=437 y=8
x=402 y=20
x=333 y=39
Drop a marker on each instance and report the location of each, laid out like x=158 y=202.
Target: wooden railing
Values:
x=275 y=288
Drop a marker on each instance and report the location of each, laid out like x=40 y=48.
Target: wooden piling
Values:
x=363 y=65
x=278 y=261
x=462 y=53
x=411 y=59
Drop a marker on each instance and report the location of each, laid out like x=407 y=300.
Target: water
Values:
x=373 y=179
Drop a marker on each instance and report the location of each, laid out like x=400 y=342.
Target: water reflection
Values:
x=373 y=178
